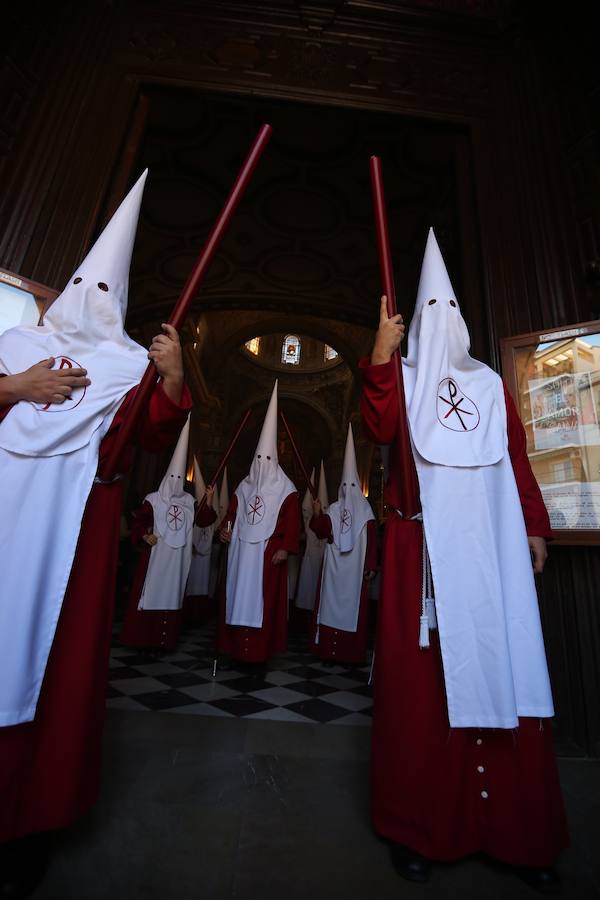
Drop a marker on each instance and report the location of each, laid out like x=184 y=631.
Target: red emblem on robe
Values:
x=256 y=510
x=64 y=362
x=454 y=409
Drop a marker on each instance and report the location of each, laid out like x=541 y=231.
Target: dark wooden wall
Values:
x=526 y=91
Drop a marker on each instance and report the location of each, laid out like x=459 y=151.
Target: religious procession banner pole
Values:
x=190 y=289
x=227 y=454
x=408 y=484
x=296 y=453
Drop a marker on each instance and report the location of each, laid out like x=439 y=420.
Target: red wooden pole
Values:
x=408 y=485
x=296 y=453
x=227 y=454
x=187 y=295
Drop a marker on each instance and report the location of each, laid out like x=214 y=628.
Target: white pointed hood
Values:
x=352 y=510
x=323 y=494
x=199 y=485
x=455 y=403
x=173 y=483
x=223 y=499
x=83 y=327
x=96 y=296
x=173 y=506
x=266 y=486
x=307 y=503
x=265 y=462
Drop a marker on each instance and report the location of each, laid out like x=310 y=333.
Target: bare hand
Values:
x=279 y=557
x=316 y=507
x=370 y=575
x=151 y=539
x=210 y=493
x=389 y=336
x=225 y=533
x=165 y=353
x=537 y=546
x=43 y=384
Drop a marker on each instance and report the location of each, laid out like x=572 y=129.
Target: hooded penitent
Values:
x=343 y=566
x=49 y=452
x=170 y=557
x=202 y=542
x=487 y=613
x=313 y=553
x=259 y=499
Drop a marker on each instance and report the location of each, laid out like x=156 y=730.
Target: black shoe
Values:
x=23 y=882
x=258 y=672
x=543 y=880
x=23 y=865
x=410 y=864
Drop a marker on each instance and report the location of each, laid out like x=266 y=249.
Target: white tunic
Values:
x=342 y=581
x=259 y=499
x=170 y=558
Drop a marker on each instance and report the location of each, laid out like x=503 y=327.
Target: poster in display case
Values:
x=554 y=378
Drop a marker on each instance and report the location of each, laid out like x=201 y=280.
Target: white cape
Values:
x=34 y=583
x=245 y=566
x=487 y=609
x=168 y=566
x=342 y=580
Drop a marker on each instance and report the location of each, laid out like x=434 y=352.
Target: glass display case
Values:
x=21 y=300
x=554 y=378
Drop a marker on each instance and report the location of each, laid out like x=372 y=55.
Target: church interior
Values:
x=217 y=783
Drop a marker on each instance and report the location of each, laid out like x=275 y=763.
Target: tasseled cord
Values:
x=428 y=620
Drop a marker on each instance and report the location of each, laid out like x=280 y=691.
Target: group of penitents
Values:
x=462 y=756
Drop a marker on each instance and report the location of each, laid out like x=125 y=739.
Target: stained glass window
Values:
x=290 y=350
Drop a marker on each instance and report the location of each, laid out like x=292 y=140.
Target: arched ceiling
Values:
x=302 y=239
x=312 y=355
x=218 y=334
x=299 y=257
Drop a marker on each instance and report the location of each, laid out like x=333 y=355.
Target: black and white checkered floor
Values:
x=297 y=687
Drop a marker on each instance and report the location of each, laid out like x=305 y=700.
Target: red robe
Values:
x=199 y=608
x=50 y=768
x=344 y=646
x=258 y=644
x=444 y=792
